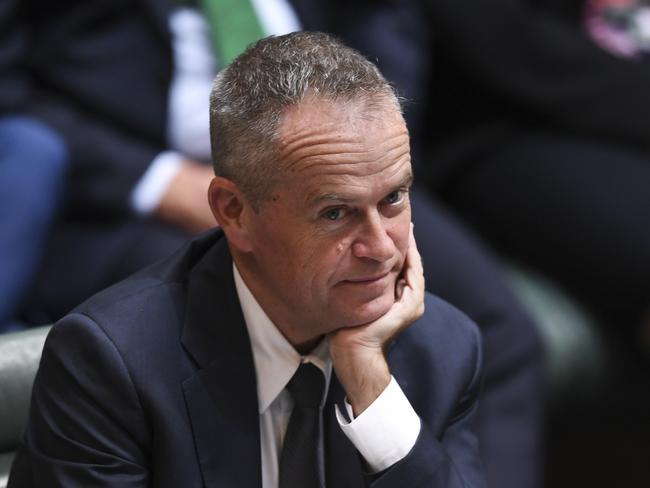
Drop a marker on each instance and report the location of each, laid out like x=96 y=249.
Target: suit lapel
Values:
x=221 y=396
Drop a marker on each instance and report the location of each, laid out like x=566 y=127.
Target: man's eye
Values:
x=333 y=214
x=393 y=197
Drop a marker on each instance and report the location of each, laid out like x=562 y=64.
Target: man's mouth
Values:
x=368 y=279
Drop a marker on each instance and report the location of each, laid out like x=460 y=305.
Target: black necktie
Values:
x=299 y=458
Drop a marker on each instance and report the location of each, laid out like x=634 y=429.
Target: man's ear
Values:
x=230 y=207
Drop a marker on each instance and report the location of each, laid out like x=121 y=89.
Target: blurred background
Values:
x=530 y=132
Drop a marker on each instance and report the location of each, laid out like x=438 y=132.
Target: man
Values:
x=177 y=376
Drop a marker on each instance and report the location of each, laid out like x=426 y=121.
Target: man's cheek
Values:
x=403 y=247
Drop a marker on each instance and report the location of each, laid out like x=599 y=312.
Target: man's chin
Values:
x=369 y=311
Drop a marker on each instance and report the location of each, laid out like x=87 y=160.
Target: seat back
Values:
x=20 y=354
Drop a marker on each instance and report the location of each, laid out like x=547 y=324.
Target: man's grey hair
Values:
x=250 y=96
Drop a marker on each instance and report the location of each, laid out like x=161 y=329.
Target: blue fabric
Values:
x=33 y=162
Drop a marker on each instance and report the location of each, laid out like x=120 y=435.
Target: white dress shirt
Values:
x=384 y=433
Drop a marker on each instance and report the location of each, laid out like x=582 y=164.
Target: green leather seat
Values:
x=577 y=355
x=20 y=353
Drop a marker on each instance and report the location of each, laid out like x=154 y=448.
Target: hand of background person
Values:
x=185 y=203
x=358 y=352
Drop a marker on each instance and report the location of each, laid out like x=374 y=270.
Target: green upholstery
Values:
x=20 y=353
x=577 y=356
x=5 y=465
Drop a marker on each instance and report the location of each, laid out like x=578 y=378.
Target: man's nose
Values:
x=373 y=241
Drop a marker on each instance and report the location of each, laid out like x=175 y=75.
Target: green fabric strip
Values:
x=234 y=25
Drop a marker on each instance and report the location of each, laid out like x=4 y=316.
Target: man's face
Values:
x=329 y=246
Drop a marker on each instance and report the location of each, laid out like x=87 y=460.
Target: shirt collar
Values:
x=275 y=359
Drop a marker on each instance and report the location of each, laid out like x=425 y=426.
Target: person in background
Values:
x=33 y=168
x=537 y=135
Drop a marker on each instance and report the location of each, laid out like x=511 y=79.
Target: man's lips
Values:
x=367 y=279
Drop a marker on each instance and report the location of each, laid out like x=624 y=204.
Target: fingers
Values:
x=410 y=292
x=413 y=270
x=399 y=288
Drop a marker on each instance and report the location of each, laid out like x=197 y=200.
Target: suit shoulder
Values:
x=151 y=301
x=443 y=321
x=439 y=360
x=444 y=340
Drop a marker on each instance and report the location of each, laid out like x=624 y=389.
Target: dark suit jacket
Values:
x=152 y=383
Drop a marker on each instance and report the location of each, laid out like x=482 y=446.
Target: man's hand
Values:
x=185 y=203
x=358 y=353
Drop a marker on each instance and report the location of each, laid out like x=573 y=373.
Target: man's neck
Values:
x=291 y=332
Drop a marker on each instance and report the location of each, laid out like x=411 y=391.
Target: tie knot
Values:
x=306 y=386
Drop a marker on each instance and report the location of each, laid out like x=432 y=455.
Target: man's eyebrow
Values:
x=405 y=183
x=333 y=197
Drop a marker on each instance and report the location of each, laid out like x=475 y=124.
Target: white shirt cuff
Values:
x=386 y=431
x=149 y=191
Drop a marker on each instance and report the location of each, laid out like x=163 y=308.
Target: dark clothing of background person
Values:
x=539 y=138
x=33 y=168
x=98 y=74
x=101 y=75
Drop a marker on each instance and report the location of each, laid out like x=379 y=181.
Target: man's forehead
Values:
x=315 y=110
x=318 y=127
x=332 y=149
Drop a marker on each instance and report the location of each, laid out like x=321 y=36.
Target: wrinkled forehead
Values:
x=316 y=128
x=333 y=144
